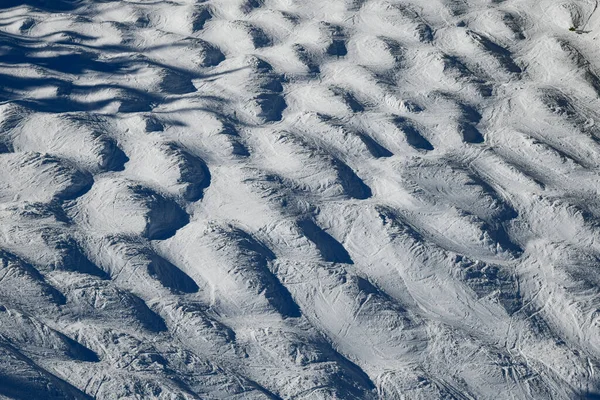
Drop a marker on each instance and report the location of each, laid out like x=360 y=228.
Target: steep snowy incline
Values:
x=299 y=199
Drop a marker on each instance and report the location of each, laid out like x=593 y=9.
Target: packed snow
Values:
x=299 y=199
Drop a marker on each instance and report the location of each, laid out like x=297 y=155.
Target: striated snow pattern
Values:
x=299 y=199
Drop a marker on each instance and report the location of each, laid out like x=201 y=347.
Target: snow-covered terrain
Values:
x=299 y=199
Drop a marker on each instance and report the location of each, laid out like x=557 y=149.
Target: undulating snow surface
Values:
x=299 y=199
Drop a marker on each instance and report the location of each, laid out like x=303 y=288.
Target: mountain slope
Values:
x=299 y=199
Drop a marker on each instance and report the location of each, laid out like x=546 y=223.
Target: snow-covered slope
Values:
x=299 y=199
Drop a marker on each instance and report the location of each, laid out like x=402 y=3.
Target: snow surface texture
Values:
x=307 y=199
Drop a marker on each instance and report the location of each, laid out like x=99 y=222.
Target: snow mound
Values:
x=262 y=199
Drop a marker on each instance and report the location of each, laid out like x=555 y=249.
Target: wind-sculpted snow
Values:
x=285 y=199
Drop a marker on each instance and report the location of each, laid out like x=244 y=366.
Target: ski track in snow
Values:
x=285 y=199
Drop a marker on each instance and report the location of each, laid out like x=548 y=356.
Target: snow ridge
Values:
x=280 y=199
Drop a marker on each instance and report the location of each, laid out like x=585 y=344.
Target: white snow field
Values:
x=299 y=199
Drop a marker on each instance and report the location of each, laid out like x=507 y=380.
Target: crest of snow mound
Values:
x=121 y=206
